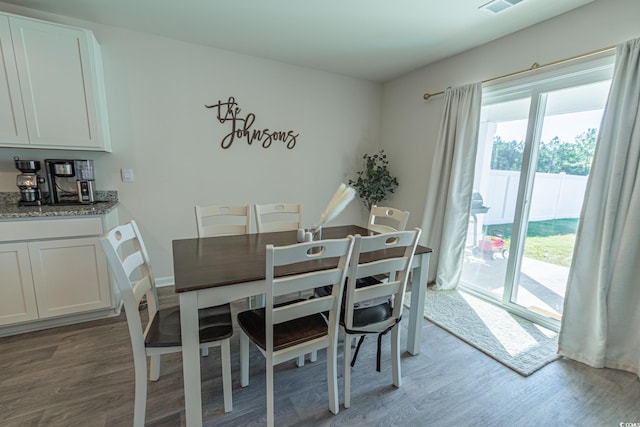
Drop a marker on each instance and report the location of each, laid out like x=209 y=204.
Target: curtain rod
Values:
x=534 y=66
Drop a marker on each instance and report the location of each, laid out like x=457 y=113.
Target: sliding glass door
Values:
x=537 y=140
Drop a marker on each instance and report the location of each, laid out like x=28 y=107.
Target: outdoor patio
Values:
x=542 y=285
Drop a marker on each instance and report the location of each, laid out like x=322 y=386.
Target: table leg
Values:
x=418 y=290
x=191 y=358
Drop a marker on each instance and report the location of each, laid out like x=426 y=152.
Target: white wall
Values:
x=410 y=124
x=157 y=89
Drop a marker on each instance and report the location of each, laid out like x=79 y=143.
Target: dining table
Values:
x=210 y=271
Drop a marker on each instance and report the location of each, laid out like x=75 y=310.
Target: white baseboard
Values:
x=54 y=322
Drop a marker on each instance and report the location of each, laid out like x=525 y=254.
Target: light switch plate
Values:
x=126 y=174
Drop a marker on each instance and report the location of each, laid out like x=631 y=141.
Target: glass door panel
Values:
x=559 y=172
x=497 y=175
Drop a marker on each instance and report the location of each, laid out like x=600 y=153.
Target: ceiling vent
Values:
x=496 y=6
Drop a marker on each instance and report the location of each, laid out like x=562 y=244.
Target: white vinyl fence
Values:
x=554 y=196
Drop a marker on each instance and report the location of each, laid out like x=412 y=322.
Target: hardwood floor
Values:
x=82 y=375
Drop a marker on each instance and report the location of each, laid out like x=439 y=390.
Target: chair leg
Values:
x=332 y=377
x=300 y=361
x=154 y=368
x=140 y=399
x=395 y=355
x=270 y=399
x=244 y=359
x=225 y=353
x=347 y=370
x=314 y=356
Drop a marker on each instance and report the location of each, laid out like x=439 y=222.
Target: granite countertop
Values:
x=9 y=209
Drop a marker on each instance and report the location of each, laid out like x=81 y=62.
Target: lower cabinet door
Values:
x=70 y=276
x=17 y=297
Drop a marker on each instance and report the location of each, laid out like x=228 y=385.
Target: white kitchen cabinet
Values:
x=17 y=296
x=13 y=126
x=69 y=276
x=54 y=272
x=53 y=80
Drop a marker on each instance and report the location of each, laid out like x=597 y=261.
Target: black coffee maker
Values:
x=29 y=182
x=70 y=181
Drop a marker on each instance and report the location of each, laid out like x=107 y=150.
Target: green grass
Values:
x=549 y=241
x=556 y=250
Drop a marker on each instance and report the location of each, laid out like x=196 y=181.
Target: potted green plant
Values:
x=375 y=182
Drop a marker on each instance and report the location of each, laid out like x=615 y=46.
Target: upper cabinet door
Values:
x=13 y=128
x=57 y=89
x=60 y=86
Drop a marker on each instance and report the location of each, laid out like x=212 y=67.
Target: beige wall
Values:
x=157 y=89
x=410 y=124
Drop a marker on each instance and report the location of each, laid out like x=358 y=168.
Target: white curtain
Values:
x=446 y=214
x=601 y=318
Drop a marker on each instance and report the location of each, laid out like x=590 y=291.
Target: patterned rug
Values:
x=513 y=341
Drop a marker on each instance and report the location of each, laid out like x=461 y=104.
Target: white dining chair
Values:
x=385 y=219
x=222 y=220
x=376 y=308
x=281 y=217
x=129 y=261
x=278 y=217
x=287 y=331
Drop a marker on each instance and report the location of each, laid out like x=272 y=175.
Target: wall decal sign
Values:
x=241 y=127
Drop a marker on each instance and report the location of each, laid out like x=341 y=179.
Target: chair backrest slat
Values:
x=382 y=267
x=300 y=283
x=141 y=288
x=132 y=262
x=301 y=309
x=377 y=291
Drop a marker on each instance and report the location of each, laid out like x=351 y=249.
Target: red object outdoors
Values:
x=491 y=244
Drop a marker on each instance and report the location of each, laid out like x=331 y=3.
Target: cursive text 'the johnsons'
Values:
x=241 y=128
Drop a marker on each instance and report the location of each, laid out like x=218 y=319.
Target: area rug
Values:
x=511 y=340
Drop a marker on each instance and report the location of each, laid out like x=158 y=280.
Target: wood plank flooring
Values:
x=82 y=375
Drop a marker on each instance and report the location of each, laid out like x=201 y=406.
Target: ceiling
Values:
x=376 y=40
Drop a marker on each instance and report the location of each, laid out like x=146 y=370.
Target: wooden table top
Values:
x=200 y=263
